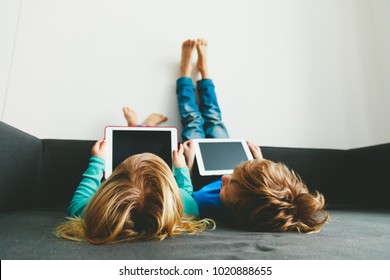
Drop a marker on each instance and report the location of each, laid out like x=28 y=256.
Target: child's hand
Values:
x=179 y=160
x=189 y=150
x=99 y=149
x=189 y=153
x=256 y=151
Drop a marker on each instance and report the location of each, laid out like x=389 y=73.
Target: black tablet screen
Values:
x=128 y=143
x=221 y=155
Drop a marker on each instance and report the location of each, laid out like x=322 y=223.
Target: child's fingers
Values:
x=252 y=146
x=95 y=148
x=178 y=159
x=102 y=143
x=256 y=151
x=96 y=145
x=98 y=148
x=181 y=149
x=188 y=143
x=176 y=155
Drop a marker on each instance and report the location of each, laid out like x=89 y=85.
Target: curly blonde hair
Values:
x=271 y=197
x=139 y=201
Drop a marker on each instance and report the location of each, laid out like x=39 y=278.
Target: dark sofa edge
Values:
x=368 y=178
x=20 y=166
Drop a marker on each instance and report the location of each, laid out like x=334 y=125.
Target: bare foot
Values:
x=201 y=47
x=154 y=119
x=130 y=116
x=186 y=54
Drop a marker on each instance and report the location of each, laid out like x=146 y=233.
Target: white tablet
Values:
x=122 y=142
x=219 y=156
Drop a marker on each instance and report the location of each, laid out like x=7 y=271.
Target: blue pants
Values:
x=203 y=121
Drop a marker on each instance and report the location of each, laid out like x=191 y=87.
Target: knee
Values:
x=213 y=115
x=194 y=118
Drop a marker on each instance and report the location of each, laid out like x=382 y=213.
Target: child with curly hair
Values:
x=260 y=195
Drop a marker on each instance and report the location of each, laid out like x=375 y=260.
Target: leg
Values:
x=190 y=115
x=130 y=116
x=211 y=113
x=152 y=120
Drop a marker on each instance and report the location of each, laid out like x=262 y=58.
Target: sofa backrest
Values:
x=63 y=163
x=368 y=181
x=323 y=170
x=45 y=173
x=20 y=165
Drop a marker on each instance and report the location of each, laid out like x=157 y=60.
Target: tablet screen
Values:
x=122 y=142
x=220 y=156
x=128 y=143
x=217 y=156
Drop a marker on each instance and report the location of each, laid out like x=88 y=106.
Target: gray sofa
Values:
x=39 y=176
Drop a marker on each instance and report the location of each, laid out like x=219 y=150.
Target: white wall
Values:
x=297 y=73
x=9 y=15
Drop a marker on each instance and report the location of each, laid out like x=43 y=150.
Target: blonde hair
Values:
x=139 y=201
x=271 y=197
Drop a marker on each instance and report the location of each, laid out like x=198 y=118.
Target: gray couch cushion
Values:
x=350 y=235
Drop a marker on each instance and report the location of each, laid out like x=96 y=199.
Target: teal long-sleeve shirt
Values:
x=91 y=181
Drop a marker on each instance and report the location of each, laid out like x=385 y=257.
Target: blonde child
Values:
x=140 y=200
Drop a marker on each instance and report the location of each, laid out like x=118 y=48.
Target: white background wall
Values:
x=302 y=73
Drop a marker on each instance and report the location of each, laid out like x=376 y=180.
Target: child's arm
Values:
x=182 y=172
x=183 y=179
x=90 y=181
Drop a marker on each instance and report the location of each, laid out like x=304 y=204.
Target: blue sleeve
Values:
x=88 y=186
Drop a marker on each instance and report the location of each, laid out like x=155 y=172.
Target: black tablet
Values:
x=122 y=142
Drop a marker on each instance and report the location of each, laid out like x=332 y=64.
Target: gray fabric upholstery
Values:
x=38 y=178
x=350 y=235
x=20 y=163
